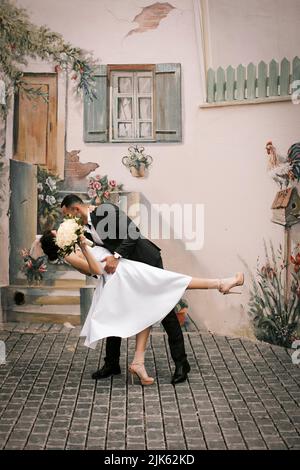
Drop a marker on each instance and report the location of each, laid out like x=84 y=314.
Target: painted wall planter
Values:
x=137 y=161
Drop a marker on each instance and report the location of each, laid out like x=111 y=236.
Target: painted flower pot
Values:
x=113 y=197
x=138 y=172
x=181 y=315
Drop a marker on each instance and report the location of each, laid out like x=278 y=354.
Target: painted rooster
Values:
x=284 y=170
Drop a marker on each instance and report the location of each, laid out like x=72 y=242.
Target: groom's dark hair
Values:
x=71 y=199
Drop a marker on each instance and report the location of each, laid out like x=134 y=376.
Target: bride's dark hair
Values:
x=49 y=246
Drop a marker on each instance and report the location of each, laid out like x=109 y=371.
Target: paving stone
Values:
x=240 y=395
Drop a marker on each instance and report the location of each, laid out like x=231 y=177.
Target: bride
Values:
x=133 y=288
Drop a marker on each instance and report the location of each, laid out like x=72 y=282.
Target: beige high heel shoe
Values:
x=226 y=284
x=138 y=369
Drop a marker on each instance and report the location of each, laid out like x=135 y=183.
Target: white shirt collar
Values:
x=89 y=220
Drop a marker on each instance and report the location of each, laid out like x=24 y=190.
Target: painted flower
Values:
x=63 y=56
x=40 y=186
x=50 y=200
x=51 y=183
x=268 y=271
x=92 y=193
x=29 y=264
x=296 y=262
x=41 y=197
x=102 y=187
x=25 y=252
x=97 y=185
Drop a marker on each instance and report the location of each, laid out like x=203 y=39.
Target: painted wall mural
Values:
x=274 y=307
x=76 y=171
x=150 y=17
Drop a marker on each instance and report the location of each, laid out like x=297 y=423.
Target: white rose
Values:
x=51 y=183
x=50 y=200
x=66 y=233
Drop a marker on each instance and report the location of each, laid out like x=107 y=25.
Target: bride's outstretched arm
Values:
x=78 y=263
x=94 y=265
x=87 y=266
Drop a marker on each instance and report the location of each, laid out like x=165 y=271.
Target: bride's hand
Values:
x=83 y=243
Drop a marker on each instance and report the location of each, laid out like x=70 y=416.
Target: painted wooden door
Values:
x=36 y=122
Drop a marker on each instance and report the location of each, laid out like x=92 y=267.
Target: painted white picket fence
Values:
x=251 y=82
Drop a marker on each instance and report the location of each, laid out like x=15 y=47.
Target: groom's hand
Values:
x=111 y=264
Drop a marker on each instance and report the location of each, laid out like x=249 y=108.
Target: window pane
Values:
x=124 y=108
x=144 y=108
x=124 y=129
x=144 y=84
x=125 y=85
x=145 y=129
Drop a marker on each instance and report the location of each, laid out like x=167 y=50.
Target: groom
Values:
x=107 y=225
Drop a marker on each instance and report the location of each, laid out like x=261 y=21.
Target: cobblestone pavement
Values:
x=240 y=394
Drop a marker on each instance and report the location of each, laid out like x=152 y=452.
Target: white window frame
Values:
x=113 y=108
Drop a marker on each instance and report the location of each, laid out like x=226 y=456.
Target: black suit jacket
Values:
x=119 y=233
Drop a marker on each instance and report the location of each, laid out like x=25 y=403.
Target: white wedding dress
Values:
x=134 y=297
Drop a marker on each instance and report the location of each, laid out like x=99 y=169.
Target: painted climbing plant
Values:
x=21 y=39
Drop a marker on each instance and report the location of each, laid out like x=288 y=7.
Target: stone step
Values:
x=58 y=282
x=42 y=318
x=42 y=287
x=42 y=303
x=59 y=300
x=42 y=295
x=44 y=313
x=69 y=283
x=53 y=309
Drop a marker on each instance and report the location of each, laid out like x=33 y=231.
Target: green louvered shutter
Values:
x=95 y=111
x=168 y=102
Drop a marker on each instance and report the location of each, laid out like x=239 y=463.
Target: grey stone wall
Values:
x=23 y=212
x=4 y=206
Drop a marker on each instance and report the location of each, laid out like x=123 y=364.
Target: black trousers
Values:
x=173 y=330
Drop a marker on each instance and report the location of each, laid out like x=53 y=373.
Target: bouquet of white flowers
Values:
x=68 y=235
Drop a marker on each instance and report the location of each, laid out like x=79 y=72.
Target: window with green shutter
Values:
x=135 y=103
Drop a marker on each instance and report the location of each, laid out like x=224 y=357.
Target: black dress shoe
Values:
x=106 y=371
x=181 y=371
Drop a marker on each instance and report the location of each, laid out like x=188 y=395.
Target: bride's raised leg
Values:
x=137 y=367
x=223 y=285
